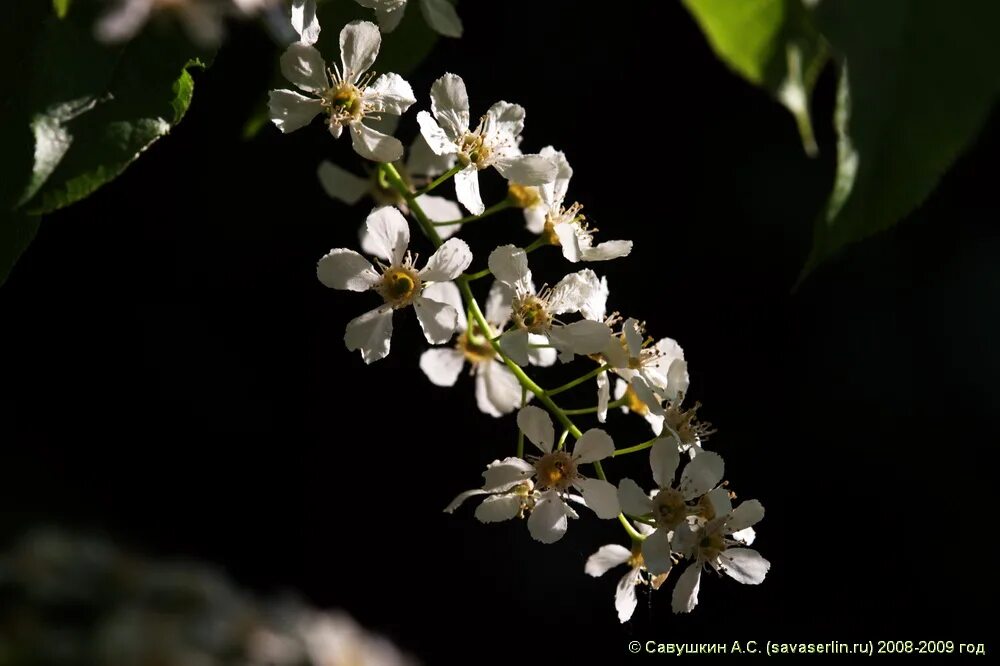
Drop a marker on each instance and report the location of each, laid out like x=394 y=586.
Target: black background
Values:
x=176 y=376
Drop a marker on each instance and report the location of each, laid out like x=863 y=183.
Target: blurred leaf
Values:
x=918 y=80
x=61 y=7
x=770 y=43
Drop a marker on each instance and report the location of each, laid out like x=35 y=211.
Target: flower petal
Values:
x=514 y=343
x=498 y=508
x=633 y=338
x=632 y=499
x=549 y=519
x=745 y=515
x=536 y=424
x=448 y=261
x=436 y=138
x=373 y=145
x=645 y=395
x=442 y=17
x=507 y=118
x=606 y=558
x=702 y=474
x=438 y=320
x=447 y=292
x=603 y=396
x=685 y=596
x=613 y=249
x=392 y=94
x=582 y=337
x=526 y=169
x=600 y=496
x=657 y=372
x=341 y=184
x=450 y=106
x=503 y=474
x=371 y=333
x=554 y=193
x=575 y=291
x=346 y=269
x=497 y=390
x=718 y=499
x=439 y=209
x=656 y=552
x=542 y=357
x=442 y=366
x=509 y=265
x=745 y=536
x=389 y=232
x=625 y=600
x=663 y=461
x=457 y=502
x=304 y=66
x=359 y=45
x=744 y=565
x=595 y=444
x=498 y=303
x=467 y=189
x=304 y=20
x=290 y=111
x=423 y=162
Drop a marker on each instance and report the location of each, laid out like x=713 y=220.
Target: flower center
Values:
x=633 y=402
x=399 y=286
x=343 y=102
x=555 y=470
x=684 y=423
x=549 y=232
x=669 y=509
x=710 y=546
x=635 y=559
x=474 y=150
x=474 y=345
x=523 y=196
x=531 y=313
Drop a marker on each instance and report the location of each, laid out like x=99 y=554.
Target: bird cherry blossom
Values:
x=612 y=555
x=439 y=14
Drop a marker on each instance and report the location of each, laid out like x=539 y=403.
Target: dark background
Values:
x=175 y=375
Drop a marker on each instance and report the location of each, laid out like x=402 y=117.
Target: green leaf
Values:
x=61 y=7
x=917 y=82
x=770 y=43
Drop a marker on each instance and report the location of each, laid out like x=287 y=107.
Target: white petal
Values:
x=336 y=129
x=595 y=444
x=656 y=552
x=389 y=15
x=569 y=241
x=497 y=390
x=389 y=232
x=663 y=461
x=633 y=338
x=436 y=138
x=442 y=366
x=677 y=379
x=600 y=496
x=553 y=194
x=304 y=20
x=685 y=596
x=685 y=539
x=304 y=66
x=645 y=394
x=536 y=424
x=632 y=499
x=346 y=269
x=643 y=529
x=605 y=559
x=438 y=320
x=701 y=474
x=439 y=209
x=745 y=536
x=359 y=45
x=498 y=303
x=507 y=118
x=625 y=601
x=503 y=474
x=613 y=249
x=341 y=184
x=603 y=396
x=450 y=106
x=509 y=264
x=290 y=111
x=744 y=565
x=542 y=357
x=548 y=520
x=371 y=333
x=718 y=499
x=748 y=513
x=442 y=17
x=574 y=291
x=534 y=218
x=582 y=337
x=667 y=351
x=447 y=292
x=448 y=261
x=373 y=145
x=392 y=94
x=123 y=22
x=498 y=508
x=467 y=189
x=455 y=503
x=526 y=169
x=422 y=162
x=514 y=343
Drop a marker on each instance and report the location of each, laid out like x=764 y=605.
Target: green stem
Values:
x=478 y=274
x=592 y=410
x=634 y=449
x=579 y=380
x=492 y=210
x=434 y=183
x=538 y=242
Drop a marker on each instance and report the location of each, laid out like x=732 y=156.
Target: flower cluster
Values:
x=686 y=523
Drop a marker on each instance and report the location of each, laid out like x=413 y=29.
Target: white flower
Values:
x=718 y=543
x=669 y=506
x=566 y=226
x=494 y=142
x=202 y=19
x=546 y=480
x=498 y=391
x=535 y=313
x=439 y=14
x=346 y=94
x=335 y=639
x=613 y=555
x=399 y=284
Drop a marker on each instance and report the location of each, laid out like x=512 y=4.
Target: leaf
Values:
x=770 y=43
x=917 y=82
x=17 y=230
x=61 y=7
